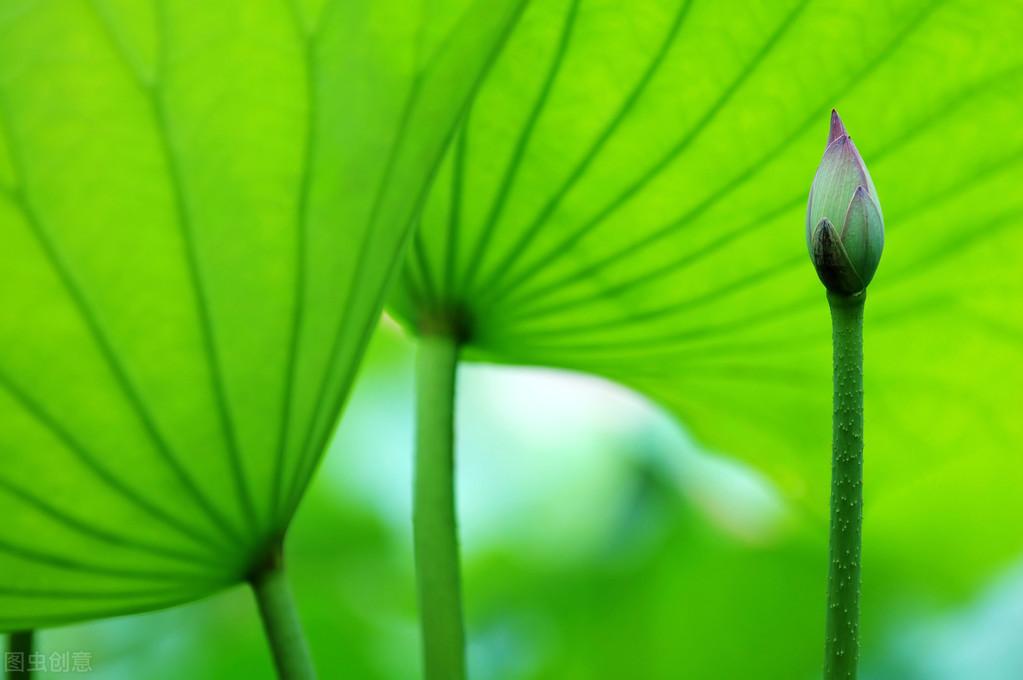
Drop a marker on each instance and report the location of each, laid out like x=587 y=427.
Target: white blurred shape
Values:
x=541 y=457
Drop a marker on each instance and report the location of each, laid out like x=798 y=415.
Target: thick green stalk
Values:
x=434 y=519
x=843 y=614
x=19 y=645
x=280 y=620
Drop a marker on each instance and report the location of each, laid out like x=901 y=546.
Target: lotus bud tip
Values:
x=837 y=129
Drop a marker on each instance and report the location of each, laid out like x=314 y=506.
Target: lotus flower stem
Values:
x=434 y=518
x=844 y=237
x=843 y=613
x=280 y=620
x=19 y=647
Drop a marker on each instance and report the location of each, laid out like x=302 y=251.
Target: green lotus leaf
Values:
x=627 y=197
x=200 y=208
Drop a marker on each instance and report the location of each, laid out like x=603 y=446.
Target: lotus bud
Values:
x=844 y=225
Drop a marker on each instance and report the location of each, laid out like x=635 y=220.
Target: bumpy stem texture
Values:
x=280 y=621
x=434 y=520
x=843 y=613
x=20 y=646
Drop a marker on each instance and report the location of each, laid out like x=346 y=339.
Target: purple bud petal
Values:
x=832 y=262
x=854 y=231
x=863 y=234
x=838 y=175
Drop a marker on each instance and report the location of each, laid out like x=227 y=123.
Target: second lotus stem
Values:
x=434 y=515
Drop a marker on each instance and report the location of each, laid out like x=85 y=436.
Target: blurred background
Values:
x=598 y=542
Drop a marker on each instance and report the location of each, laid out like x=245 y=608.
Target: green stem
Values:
x=434 y=519
x=843 y=613
x=280 y=620
x=20 y=644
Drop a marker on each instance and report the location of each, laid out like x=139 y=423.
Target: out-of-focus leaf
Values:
x=199 y=210
x=627 y=197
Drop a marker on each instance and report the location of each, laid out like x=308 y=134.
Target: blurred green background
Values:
x=599 y=542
